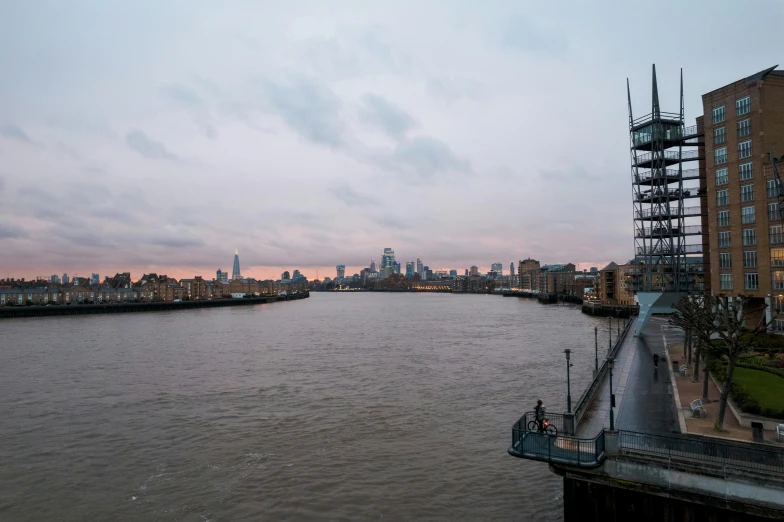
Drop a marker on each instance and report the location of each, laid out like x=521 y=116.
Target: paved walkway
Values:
x=643 y=395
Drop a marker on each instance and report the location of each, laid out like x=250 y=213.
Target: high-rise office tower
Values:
x=420 y=267
x=296 y=275
x=235 y=272
x=511 y=268
x=54 y=279
x=453 y=273
x=409 y=269
x=95 y=279
x=387 y=263
x=285 y=276
x=466 y=272
x=341 y=271
x=474 y=271
x=66 y=279
x=498 y=268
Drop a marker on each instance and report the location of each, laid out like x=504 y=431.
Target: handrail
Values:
x=587 y=396
x=748 y=457
x=563 y=449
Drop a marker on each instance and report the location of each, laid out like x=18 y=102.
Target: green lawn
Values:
x=766 y=387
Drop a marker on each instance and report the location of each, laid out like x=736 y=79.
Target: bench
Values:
x=779 y=432
x=684 y=370
x=696 y=408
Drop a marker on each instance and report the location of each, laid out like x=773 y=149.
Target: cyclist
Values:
x=539 y=412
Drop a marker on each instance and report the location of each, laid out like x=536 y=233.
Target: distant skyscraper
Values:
x=285 y=276
x=396 y=267
x=66 y=279
x=511 y=268
x=498 y=268
x=54 y=279
x=453 y=273
x=296 y=275
x=594 y=269
x=221 y=276
x=373 y=266
x=341 y=271
x=474 y=271
x=466 y=273
x=409 y=269
x=387 y=263
x=420 y=268
x=235 y=272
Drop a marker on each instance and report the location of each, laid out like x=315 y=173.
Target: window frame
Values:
x=747 y=193
x=719 y=114
x=751 y=281
x=720 y=155
x=749 y=259
x=725 y=240
x=744 y=128
x=744 y=149
x=725 y=281
x=725 y=260
x=723 y=218
x=722 y=176
x=748 y=215
x=741 y=104
x=746 y=174
x=722 y=197
x=749 y=236
x=719 y=135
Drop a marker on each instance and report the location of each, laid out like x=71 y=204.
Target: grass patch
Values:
x=766 y=387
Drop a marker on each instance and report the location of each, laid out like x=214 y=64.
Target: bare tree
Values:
x=739 y=325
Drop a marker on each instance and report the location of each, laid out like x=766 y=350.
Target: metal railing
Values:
x=687 y=155
x=667 y=212
x=666 y=174
x=667 y=231
x=746 y=457
x=563 y=449
x=666 y=249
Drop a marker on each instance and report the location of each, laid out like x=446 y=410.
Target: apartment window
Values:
x=724 y=218
x=745 y=171
x=746 y=193
x=720 y=156
x=722 y=197
x=726 y=281
x=752 y=281
x=725 y=260
x=721 y=176
x=718 y=114
x=719 y=136
x=749 y=259
x=749 y=236
x=724 y=239
x=743 y=106
x=778 y=284
x=777 y=257
x=774 y=213
x=775 y=234
x=773 y=188
x=744 y=128
x=747 y=215
x=744 y=149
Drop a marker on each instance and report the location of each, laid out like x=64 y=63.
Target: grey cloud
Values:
x=138 y=141
x=175 y=242
x=309 y=107
x=526 y=35
x=388 y=117
x=11 y=231
x=350 y=197
x=84 y=236
x=15 y=132
x=425 y=156
x=2 y=183
x=452 y=90
x=183 y=95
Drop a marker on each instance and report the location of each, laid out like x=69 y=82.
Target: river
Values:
x=344 y=406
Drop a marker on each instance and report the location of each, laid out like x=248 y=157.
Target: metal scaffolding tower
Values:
x=660 y=145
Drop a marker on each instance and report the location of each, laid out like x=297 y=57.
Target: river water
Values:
x=339 y=407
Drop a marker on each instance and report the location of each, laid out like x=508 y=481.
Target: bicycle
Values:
x=547 y=428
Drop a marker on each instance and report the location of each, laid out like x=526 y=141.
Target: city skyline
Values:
x=448 y=151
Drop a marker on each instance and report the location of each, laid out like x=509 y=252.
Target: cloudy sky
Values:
x=161 y=135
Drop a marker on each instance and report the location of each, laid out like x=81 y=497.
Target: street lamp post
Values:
x=568 y=383
x=610 y=365
x=618 y=322
x=609 y=329
x=596 y=347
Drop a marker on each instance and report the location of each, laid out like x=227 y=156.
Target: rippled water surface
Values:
x=342 y=406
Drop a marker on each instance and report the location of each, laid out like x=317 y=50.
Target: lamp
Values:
x=611 y=365
x=568 y=383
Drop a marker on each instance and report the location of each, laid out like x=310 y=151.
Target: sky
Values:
x=157 y=136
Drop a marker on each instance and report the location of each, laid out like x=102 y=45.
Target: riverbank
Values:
x=13 y=312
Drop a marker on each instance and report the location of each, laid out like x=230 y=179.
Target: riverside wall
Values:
x=11 y=312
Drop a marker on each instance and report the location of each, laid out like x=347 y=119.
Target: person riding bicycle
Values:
x=539 y=413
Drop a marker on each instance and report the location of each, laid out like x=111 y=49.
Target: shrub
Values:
x=750 y=405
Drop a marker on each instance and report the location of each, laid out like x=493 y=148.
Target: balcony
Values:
x=660 y=195
x=657 y=214
x=667 y=131
x=668 y=158
x=528 y=443
x=777 y=238
x=666 y=250
x=665 y=231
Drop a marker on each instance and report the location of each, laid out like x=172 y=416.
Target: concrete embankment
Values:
x=10 y=312
x=606 y=310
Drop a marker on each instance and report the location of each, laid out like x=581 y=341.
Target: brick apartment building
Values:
x=528 y=272
x=744 y=124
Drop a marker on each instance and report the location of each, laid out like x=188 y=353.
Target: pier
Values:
x=11 y=312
